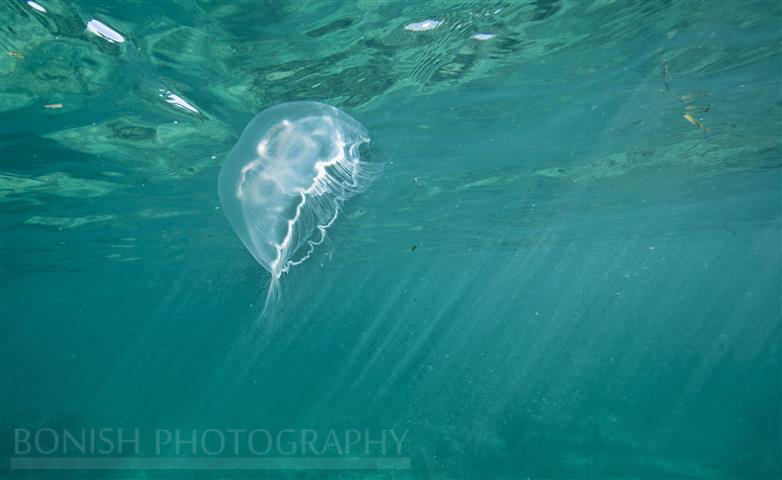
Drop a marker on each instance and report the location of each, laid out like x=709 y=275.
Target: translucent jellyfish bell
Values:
x=284 y=182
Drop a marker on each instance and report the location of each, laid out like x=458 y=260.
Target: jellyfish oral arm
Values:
x=318 y=186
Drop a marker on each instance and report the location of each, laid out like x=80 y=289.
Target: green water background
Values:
x=594 y=290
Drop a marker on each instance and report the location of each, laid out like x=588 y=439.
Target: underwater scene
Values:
x=480 y=239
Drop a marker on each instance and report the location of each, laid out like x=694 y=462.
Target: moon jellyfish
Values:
x=284 y=182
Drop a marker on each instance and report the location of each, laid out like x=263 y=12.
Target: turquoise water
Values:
x=556 y=274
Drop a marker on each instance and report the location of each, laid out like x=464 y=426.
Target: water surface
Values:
x=557 y=275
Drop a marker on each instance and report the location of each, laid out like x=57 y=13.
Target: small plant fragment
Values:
x=689 y=109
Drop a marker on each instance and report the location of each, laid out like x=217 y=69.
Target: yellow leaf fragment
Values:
x=695 y=121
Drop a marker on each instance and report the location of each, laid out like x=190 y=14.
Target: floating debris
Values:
x=695 y=121
x=483 y=36
x=664 y=68
x=53 y=105
x=16 y=55
x=36 y=6
x=104 y=31
x=178 y=101
x=423 y=26
x=412 y=249
x=686 y=99
x=696 y=109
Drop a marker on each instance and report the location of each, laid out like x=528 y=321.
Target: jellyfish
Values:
x=284 y=182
